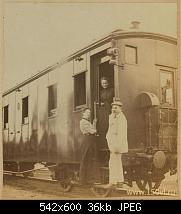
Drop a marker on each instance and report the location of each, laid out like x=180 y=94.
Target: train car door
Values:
x=102 y=96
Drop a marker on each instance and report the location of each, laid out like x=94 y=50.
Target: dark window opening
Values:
x=80 y=89
x=6 y=117
x=52 y=100
x=25 y=110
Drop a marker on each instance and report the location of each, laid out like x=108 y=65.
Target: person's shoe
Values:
x=96 y=183
x=173 y=172
x=129 y=183
x=119 y=185
x=109 y=186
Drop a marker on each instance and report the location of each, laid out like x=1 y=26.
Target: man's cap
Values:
x=117 y=103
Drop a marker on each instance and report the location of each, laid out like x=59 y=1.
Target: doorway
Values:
x=101 y=107
x=101 y=98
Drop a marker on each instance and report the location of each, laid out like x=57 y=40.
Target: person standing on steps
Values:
x=87 y=165
x=117 y=143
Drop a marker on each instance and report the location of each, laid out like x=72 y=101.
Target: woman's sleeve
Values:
x=87 y=128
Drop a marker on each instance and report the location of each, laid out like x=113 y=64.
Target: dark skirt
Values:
x=103 y=119
x=89 y=167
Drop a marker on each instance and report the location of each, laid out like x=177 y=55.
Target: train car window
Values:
x=52 y=100
x=6 y=116
x=167 y=88
x=79 y=89
x=131 y=56
x=25 y=110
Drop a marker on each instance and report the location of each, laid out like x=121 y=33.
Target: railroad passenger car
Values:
x=41 y=115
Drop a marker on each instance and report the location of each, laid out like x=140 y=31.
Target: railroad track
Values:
x=53 y=188
x=45 y=186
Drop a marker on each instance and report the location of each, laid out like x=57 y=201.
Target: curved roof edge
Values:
x=117 y=34
x=120 y=34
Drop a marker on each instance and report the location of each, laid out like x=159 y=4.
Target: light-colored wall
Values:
x=166 y=54
x=11 y=98
x=42 y=106
x=141 y=77
x=33 y=107
x=64 y=123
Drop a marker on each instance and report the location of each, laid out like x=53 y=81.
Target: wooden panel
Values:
x=52 y=137
x=88 y=83
x=12 y=117
x=42 y=109
x=80 y=65
x=52 y=77
x=33 y=107
x=99 y=49
x=5 y=100
x=25 y=91
x=78 y=137
x=166 y=54
x=5 y=135
x=18 y=116
x=132 y=82
x=25 y=132
x=64 y=122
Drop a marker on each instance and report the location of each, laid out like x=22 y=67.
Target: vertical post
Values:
x=96 y=93
x=1 y=142
x=95 y=110
x=116 y=76
x=149 y=126
x=116 y=80
x=161 y=126
x=97 y=83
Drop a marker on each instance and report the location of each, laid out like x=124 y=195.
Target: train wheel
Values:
x=101 y=191
x=147 y=185
x=65 y=185
x=64 y=175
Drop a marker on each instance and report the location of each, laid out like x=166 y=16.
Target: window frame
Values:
x=78 y=107
x=168 y=71
x=23 y=118
x=4 y=126
x=55 y=109
x=134 y=47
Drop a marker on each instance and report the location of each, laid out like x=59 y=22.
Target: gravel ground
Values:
x=19 y=189
x=14 y=193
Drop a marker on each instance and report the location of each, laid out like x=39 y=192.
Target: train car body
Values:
x=41 y=115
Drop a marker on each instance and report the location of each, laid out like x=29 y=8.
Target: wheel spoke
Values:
x=65 y=185
x=147 y=185
x=157 y=184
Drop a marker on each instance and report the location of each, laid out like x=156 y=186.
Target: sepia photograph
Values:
x=90 y=100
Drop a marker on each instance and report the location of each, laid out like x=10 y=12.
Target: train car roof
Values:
x=117 y=34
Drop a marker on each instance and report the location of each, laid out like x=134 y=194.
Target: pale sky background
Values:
x=37 y=35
